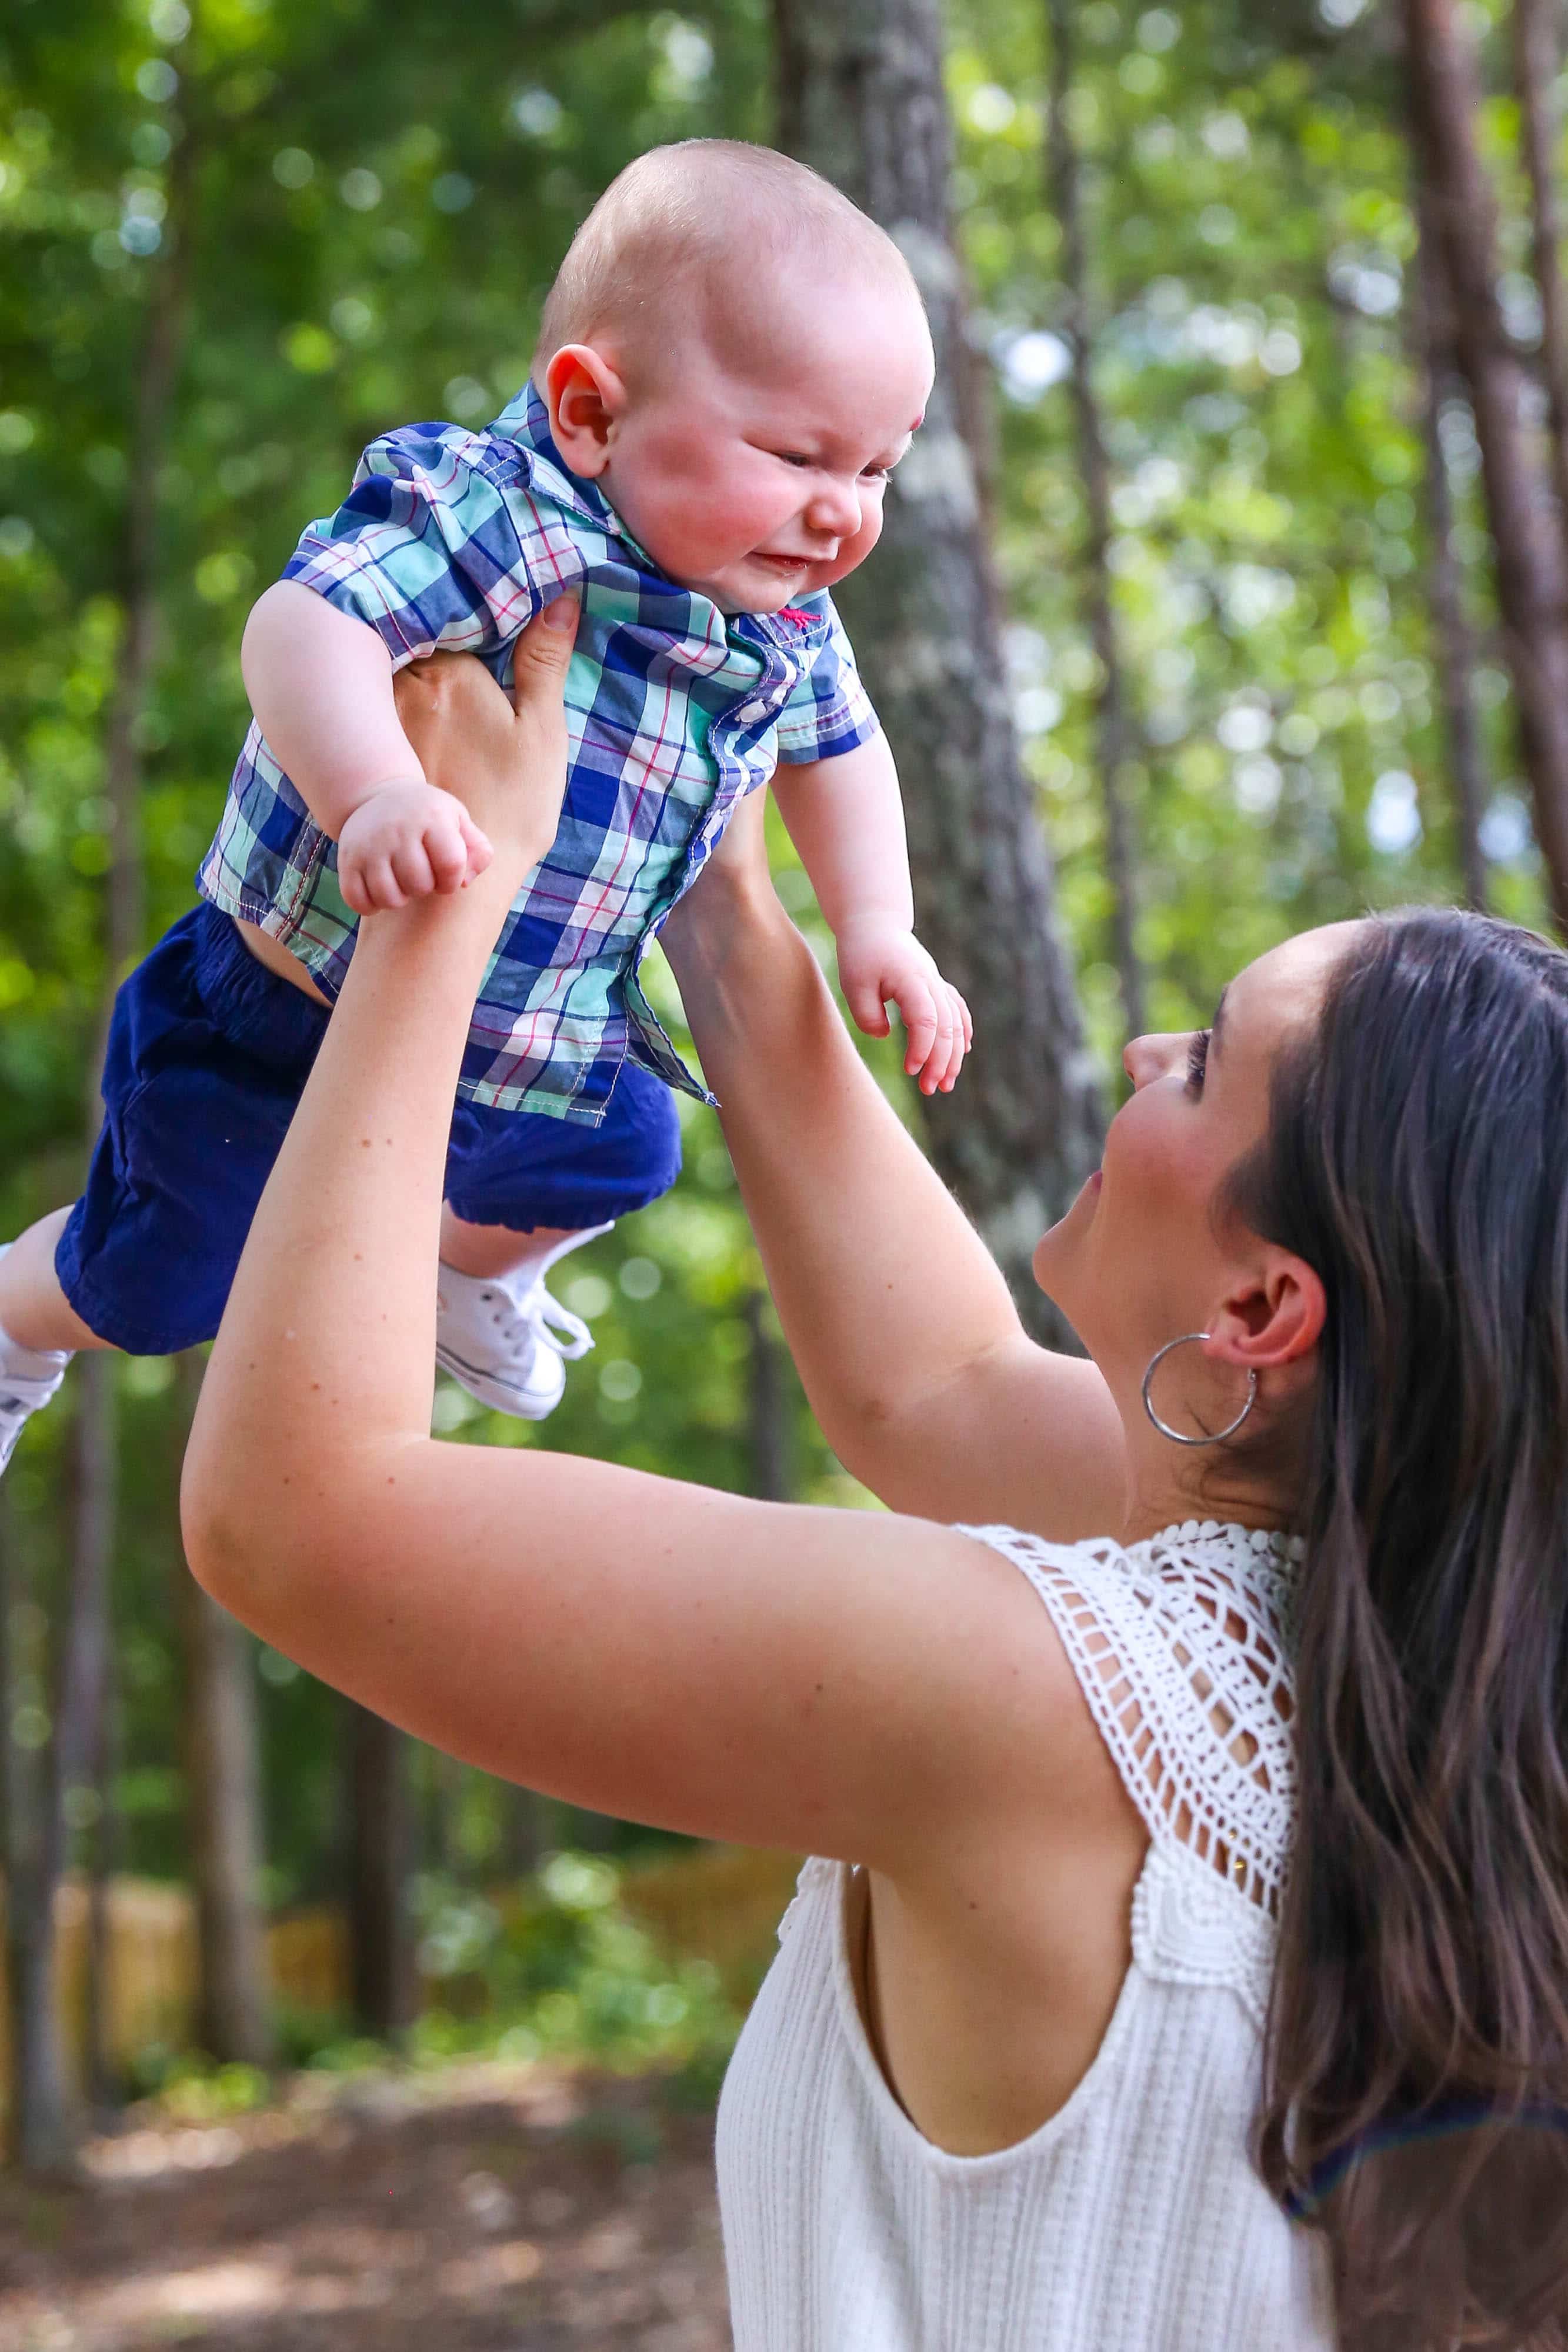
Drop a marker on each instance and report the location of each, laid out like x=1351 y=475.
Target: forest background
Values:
x=1245 y=495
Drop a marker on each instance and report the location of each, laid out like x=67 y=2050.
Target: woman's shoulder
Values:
x=1231 y=1576
x=1183 y=1644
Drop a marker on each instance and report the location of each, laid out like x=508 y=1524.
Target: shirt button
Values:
x=754 y=710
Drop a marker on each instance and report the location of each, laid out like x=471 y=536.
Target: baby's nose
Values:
x=835 y=508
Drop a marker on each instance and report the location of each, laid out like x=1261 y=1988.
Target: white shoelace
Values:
x=538 y=1317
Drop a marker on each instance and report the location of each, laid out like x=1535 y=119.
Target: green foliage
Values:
x=563 y=1972
x=378 y=198
x=1250 y=237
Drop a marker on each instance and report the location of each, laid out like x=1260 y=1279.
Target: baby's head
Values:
x=738 y=357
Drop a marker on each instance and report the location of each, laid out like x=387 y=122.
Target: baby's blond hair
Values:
x=716 y=212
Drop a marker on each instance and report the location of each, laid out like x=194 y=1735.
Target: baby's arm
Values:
x=319 y=683
x=846 y=818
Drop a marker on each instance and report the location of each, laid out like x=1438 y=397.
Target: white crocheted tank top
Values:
x=1132 y=2220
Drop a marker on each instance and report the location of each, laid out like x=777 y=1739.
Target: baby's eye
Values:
x=793 y=457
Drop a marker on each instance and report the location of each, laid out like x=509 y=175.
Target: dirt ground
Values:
x=483 y=2208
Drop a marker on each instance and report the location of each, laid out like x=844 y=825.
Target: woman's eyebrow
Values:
x=1218 y=1025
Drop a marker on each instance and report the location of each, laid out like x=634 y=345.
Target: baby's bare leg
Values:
x=34 y=1310
x=487 y=1251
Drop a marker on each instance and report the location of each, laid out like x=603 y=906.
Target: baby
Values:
x=730 y=362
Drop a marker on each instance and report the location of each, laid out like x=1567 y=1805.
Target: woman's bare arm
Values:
x=862 y=1686
x=924 y=1380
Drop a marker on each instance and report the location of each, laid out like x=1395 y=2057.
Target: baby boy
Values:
x=730 y=362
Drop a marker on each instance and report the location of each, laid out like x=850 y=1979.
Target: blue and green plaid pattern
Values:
x=454 y=540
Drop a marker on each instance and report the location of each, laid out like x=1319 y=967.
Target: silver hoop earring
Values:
x=1175 y=1435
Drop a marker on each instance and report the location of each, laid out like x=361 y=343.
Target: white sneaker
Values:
x=29 y=1379
x=505 y=1339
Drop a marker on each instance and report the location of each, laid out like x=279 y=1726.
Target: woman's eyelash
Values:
x=1198 y=1059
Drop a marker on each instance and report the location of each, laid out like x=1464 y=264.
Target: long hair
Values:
x=1416 y=2068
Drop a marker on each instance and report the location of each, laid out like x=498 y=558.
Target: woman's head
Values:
x=1152 y=1247
x=1406 y=1153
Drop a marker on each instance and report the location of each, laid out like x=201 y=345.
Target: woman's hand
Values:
x=504 y=757
x=734 y=888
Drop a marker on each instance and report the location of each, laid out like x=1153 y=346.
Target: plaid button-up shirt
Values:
x=454 y=540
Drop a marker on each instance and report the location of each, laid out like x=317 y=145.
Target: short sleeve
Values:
x=830 y=710
x=440 y=544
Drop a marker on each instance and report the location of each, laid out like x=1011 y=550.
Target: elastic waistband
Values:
x=256 y=1011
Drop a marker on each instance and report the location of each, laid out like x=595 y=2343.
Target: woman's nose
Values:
x=1147 y=1058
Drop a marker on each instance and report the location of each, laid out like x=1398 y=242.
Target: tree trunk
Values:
x=163 y=352
x=86 y=1695
x=1116 y=740
x=381 y=1940
x=1536 y=62
x=772 y=1449
x=1431 y=320
x=84 y=1689
x=224 y=1802
x=862 y=99
x=223 y=1785
x=1531 y=556
x=44 y=2121
x=105 y=2080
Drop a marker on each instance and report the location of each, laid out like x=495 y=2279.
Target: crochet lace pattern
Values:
x=1184 y=1645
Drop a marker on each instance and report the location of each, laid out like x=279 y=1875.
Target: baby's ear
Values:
x=584 y=397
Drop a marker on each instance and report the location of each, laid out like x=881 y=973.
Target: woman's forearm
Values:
x=327 y=1346
x=885 y=1293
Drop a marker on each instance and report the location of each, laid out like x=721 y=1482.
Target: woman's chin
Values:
x=1047 y=1263
x=1054 y=1250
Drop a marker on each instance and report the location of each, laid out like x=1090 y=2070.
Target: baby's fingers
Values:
x=352 y=883
x=449 y=854
x=412 y=870
x=477 y=846
x=864 y=998
x=383 y=891
x=960 y=1039
x=922 y=1022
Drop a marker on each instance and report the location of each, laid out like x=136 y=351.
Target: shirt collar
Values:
x=525 y=420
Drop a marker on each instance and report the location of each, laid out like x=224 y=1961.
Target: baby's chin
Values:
x=749 y=586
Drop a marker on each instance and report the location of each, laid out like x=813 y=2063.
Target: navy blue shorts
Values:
x=208 y=1054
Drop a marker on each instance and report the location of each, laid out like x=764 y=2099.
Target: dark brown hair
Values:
x=1415 y=2076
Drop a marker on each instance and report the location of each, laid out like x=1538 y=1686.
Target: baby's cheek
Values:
x=855 y=551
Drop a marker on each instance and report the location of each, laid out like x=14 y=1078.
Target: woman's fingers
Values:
x=543 y=653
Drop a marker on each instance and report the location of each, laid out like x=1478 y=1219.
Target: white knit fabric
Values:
x=1132 y=2220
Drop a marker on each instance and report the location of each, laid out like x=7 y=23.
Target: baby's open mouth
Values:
x=782 y=562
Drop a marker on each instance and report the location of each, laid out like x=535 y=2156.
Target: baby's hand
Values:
x=404 y=841
x=880 y=962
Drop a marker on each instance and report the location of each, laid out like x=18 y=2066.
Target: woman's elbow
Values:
x=245 y=1541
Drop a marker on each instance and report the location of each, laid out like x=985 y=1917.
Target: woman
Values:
x=1002 y=2088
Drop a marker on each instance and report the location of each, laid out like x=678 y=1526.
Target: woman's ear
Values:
x=1274 y=1318
x=584 y=397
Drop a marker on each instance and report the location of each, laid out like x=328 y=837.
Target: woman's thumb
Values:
x=544 y=647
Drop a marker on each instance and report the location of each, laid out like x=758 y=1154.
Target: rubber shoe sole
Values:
x=502 y=1396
